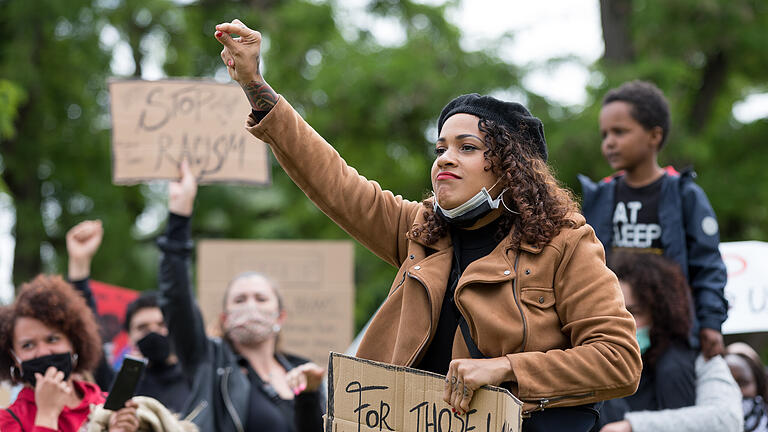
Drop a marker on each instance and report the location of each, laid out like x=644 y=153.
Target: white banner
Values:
x=747 y=288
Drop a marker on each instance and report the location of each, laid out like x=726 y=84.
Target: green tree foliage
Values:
x=705 y=56
x=377 y=104
x=374 y=103
x=56 y=164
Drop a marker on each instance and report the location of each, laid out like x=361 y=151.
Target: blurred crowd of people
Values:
x=632 y=346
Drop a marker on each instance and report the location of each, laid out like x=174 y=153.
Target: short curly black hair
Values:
x=658 y=284
x=147 y=299
x=54 y=302
x=649 y=106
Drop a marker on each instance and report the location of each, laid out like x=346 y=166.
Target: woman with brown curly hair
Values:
x=658 y=296
x=500 y=280
x=48 y=336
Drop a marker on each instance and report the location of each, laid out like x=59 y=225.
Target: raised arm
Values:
x=242 y=55
x=83 y=241
x=376 y=218
x=182 y=315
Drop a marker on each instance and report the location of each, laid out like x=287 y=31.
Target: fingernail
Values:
x=303 y=387
x=454 y=410
x=230 y=63
x=218 y=34
x=296 y=392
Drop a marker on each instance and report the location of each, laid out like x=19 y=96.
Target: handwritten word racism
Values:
x=158 y=124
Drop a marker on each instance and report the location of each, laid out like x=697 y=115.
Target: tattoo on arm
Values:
x=260 y=95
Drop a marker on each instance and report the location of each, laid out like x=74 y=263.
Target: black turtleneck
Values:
x=166 y=383
x=468 y=246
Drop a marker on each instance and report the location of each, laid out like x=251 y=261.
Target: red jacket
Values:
x=70 y=419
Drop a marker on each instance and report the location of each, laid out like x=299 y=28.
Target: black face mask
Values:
x=62 y=362
x=155 y=347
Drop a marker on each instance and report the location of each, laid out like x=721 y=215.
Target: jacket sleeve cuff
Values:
x=711 y=323
x=512 y=376
x=258 y=116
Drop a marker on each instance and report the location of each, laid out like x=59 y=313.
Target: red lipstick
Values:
x=445 y=175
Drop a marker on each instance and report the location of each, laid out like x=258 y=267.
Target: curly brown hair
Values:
x=658 y=284
x=56 y=304
x=532 y=191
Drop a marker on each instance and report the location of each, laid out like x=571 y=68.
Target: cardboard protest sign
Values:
x=747 y=286
x=155 y=124
x=314 y=277
x=364 y=395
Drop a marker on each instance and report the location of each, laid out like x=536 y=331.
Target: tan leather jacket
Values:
x=556 y=313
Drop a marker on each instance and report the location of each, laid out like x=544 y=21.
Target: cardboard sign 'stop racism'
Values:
x=155 y=124
x=364 y=395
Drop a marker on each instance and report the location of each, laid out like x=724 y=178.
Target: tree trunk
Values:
x=616 y=18
x=712 y=82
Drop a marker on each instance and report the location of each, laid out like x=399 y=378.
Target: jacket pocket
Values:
x=539 y=298
x=544 y=327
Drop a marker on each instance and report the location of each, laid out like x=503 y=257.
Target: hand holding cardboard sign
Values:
x=181 y=194
x=465 y=376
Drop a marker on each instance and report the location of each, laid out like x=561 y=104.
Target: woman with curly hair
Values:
x=658 y=296
x=500 y=280
x=48 y=337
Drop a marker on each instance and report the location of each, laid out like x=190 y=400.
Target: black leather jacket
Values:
x=219 y=395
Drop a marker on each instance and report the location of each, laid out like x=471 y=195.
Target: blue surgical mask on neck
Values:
x=472 y=210
x=643 y=335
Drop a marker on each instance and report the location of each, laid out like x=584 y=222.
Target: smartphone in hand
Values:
x=124 y=385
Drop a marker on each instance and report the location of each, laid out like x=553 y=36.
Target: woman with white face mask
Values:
x=500 y=280
x=48 y=339
x=239 y=382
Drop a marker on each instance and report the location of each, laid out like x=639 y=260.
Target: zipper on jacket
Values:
x=517 y=302
x=542 y=403
x=228 y=401
x=196 y=412
x=405 y=273
x=429 y=299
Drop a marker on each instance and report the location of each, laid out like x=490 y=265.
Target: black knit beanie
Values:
x=510 y=114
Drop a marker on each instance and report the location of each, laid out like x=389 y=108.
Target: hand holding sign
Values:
x=181 y=194
x=465 y=376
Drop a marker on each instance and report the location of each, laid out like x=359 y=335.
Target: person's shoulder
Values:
x=675 y=358
x=575 y=229
x=588 y=184
x=21 y=408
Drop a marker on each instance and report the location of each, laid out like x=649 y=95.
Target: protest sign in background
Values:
x=155 y=124
x=314 y=277
x=364 y=395
x=747 y=288
x=111 y=301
